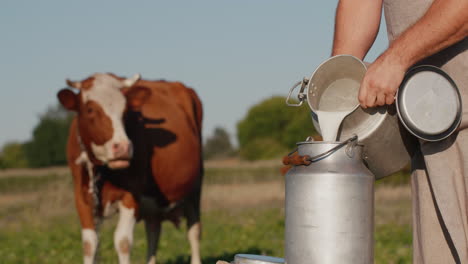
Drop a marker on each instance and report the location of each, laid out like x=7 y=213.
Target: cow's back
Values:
x=176 y=159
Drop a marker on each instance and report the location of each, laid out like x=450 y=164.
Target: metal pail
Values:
x=342 y=70
x=256 y=259
x=329 y=205
x=386 y=144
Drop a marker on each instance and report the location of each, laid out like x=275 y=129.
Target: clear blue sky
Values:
x=234 y=53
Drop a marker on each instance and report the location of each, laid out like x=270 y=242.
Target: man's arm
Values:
x=444 y=24
x=356 y=26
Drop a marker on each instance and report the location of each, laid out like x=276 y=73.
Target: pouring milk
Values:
x=336 y=102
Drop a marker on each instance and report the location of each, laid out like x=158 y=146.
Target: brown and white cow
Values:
x=134 y=146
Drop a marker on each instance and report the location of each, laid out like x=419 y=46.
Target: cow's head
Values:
x=100 y=103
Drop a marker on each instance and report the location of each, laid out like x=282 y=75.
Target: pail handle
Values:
x=301 y=95
x=306 y=160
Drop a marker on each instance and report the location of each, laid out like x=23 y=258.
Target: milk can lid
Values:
x=429 y=103
x=256 y=259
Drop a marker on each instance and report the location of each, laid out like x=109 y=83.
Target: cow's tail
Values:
x=197 y=111
x=198 y=116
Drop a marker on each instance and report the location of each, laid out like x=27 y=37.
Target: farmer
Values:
x=420 y=32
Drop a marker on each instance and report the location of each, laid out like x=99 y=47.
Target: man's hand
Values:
x=444 y=24
x=381 y=81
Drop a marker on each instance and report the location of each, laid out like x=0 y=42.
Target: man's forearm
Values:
x=356 y=26
x=445 y=23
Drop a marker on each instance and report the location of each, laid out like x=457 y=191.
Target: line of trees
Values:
x=47 y=145
x=219 y=145
x=269 y=130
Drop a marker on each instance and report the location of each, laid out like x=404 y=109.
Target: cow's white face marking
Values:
x=106 y=92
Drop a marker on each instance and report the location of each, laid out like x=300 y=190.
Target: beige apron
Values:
x=440 y=170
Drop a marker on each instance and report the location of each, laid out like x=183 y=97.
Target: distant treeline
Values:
x=269 y=130
x=47 y=146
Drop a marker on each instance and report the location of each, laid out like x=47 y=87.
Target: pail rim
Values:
x=256 y=259
x=324 y=63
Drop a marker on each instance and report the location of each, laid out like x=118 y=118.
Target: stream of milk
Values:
x=330 y=123
x=336 y=102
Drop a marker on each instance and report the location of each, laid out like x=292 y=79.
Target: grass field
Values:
x=242 y=213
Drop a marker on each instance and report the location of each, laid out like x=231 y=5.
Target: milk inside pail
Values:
x=333 y=88
x=333 y=93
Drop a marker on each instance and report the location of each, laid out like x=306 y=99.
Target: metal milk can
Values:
x=329 y=205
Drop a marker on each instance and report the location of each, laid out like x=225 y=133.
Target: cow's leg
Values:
x=123 y=236
x=83 y=199
x=90 y=243
x=194 y=235
x=192 y=212
x=153 y=230
x=84 y=205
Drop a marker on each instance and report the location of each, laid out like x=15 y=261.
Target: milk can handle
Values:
x=301 y=96
x=307 y=160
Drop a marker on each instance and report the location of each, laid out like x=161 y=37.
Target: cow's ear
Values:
x=136 y=96
x=68 y=99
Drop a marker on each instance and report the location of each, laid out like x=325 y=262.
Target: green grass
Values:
x=224 y=234
x=399 y=178
x=393 y=244
x=28 y=234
